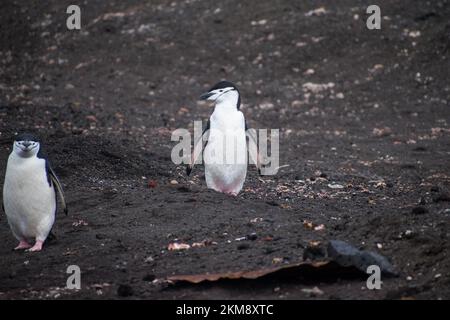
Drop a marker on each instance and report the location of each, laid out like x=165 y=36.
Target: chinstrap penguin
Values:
x=29 y=193
x=225 y=152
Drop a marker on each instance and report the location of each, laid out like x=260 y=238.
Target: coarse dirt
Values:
x=364 y=143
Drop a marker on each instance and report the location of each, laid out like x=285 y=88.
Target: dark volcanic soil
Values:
x=368 y=110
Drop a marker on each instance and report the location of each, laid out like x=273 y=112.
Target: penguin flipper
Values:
x=190 y=166
x=252 y=139
x=59 y=188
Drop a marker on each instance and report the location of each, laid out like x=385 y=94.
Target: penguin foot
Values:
x=37 y=246
x=23 y=245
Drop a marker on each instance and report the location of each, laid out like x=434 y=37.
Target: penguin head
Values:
x=26 y=145
x=223 y=91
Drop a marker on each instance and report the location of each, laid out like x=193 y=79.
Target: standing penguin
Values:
x=29 y=193
x=225 y=153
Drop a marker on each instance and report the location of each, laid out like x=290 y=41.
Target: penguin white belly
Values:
x=226 y=153
x=29 y=200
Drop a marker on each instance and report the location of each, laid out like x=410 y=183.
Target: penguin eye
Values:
x=221 y=90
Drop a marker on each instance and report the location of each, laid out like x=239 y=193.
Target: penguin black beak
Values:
x=26 y=144
x=206 y=95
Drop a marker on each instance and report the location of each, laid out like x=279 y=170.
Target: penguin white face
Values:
x=222 y=91
x=26 y=145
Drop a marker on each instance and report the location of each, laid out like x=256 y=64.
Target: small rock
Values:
x=409 y=234
x=314 y=292
x=152 y=184
x=252 y=236
x=91 y=118
x=346 y=255
x=297 y=103
x=266 y=106
x=173 y=182
x=382 y=132
x=259 y=23
x=419 y=210
x=178 y=246
x=149 y=259
x=316 y=12
x=414 y=34
x=277 y=260
x=320 y=227
x=335 y=186
x=317 y=87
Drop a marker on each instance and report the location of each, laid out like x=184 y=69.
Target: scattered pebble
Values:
x=314 y=292
x=382 y=132
x=335 y=186
x=316 y=12
x=408 y=234
x=277 y=260
x=252 y=236
x=178 y=246
x=317 y=87
x=259 y=23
